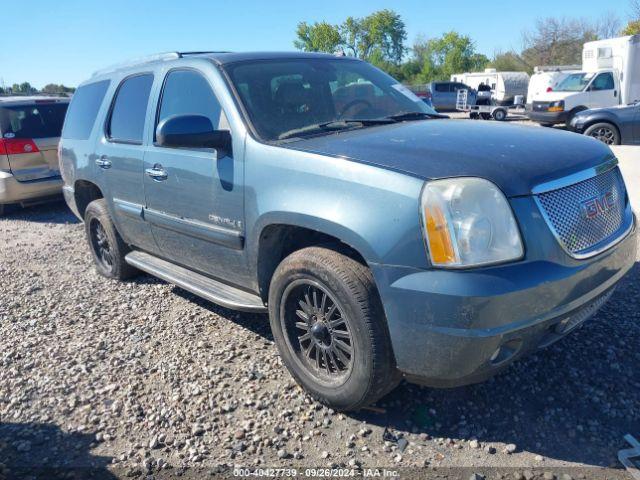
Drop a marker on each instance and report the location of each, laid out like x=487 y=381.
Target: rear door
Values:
x=119 y=158
x=30 y=136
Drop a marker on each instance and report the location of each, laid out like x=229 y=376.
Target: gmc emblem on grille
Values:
x=598 y=205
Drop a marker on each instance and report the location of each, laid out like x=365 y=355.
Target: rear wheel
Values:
x=605 y=132
x=500 y=114
x=329 y=326
x=107 y=247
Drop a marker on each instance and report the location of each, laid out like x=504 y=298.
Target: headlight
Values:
x=556 y=106
x=468 y=222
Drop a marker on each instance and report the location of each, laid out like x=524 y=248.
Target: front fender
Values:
x=374 y=210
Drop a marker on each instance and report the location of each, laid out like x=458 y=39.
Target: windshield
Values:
x=574 y=82
x=288 y=97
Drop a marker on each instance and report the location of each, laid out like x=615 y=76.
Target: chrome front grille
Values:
x=588 y=214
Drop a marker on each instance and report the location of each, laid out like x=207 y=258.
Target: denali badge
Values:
x=597 y=205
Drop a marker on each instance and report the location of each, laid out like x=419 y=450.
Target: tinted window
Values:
x=442 y=87
x=188 y=92
x=604 y=81
x=41 y=120
x=129 y=109
x=83 y=110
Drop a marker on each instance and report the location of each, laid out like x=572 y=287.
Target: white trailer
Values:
x=505 y=86
x=487 y=112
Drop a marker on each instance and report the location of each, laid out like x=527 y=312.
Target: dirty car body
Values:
x=453 y=316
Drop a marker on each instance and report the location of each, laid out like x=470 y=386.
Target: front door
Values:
x=194 y=197
x=119 y=159
x=603 y=91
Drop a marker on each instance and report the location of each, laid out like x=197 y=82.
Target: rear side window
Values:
x=83 y=110
x=442 y=87
x=40 y=120
x=188 y=92
x=126 y=122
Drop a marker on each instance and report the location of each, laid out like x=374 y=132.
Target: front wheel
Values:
x=107 y=247
x=605 y=132
x=329 y=326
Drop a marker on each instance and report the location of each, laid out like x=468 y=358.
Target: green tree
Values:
x=441 y=57
x=510 y=62
x=632 y=28
x=319 y=37
x=22 y=88
x=378 y=38
x=53 y=88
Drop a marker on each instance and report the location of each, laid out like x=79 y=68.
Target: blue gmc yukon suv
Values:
x=384 y=241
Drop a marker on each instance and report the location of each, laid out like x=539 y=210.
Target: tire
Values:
x=485 y=116
x=304 y=289
x=546 y=125
x=500 y=115
x=107 y=247
x=606 y=132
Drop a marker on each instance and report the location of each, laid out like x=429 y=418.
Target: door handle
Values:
x=103 y=162
x=157 y=172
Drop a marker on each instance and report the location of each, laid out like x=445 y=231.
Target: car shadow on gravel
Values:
x=55 y=211
x=257 y=323
x=573 y=401
x=43 y=450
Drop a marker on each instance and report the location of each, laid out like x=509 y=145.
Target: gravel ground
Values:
x=128 y=378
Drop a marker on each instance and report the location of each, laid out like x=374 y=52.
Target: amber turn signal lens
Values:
x=440 y=243
x=555 y=109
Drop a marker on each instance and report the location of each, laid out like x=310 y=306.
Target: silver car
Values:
x=30 y=129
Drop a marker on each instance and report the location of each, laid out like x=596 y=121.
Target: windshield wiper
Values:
x=342 y=124
x=399 y=117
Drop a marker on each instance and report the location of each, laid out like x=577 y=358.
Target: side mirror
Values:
x=191 y=131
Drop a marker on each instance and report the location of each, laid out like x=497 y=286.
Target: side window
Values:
x=442 y=87
x=604 y=81
x=83 y=110
x=126 y=122
x=188 y=92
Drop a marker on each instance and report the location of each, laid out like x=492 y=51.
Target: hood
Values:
x=514 y=157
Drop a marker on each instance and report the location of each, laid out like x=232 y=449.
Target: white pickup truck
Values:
x=610 y=76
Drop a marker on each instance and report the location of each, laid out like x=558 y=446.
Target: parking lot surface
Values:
x=141 y=376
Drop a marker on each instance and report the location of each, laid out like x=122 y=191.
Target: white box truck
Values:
x=610 y=76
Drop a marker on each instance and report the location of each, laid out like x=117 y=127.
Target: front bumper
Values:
x=451 y=328
x=13 y=191
x=547 y=117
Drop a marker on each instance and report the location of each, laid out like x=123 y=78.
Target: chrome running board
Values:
x=205 y=287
